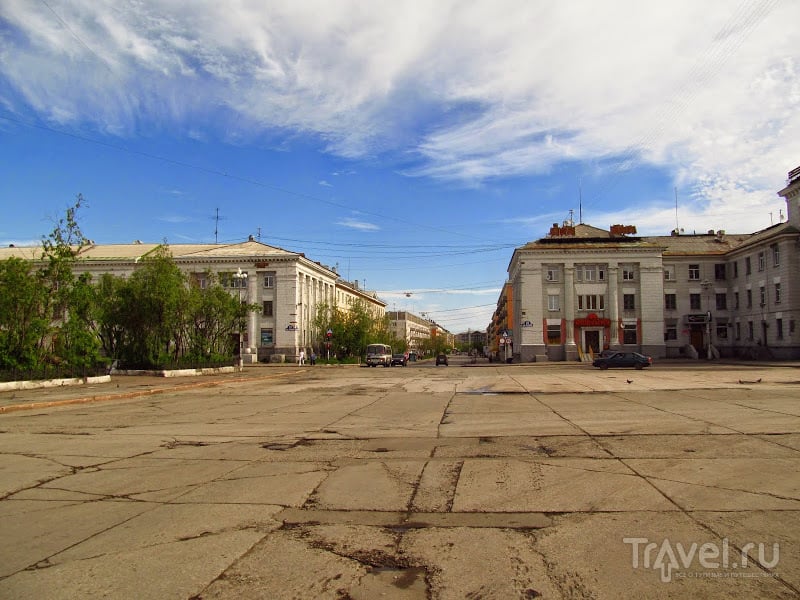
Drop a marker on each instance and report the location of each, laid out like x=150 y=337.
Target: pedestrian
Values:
x=313 y=358
x=302 y=357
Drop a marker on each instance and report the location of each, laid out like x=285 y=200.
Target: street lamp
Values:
x=240 y=278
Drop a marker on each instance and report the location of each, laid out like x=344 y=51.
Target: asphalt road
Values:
x=520 y=481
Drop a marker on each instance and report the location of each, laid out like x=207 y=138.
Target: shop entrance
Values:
x=592 y=340
x=696 y=339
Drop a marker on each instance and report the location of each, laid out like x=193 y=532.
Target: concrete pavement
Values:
x=523 y=481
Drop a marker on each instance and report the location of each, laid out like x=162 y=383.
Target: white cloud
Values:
x=708 y=90
x=324 y=183
x=356 y=224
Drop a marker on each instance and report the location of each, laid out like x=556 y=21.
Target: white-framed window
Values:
x=552 y=274
x=628 y=273
x=553 y=302
x=629 y=335
x=669 y=273
x=590 y=273
x=591 y=302
x=776 y=255
x=269 y=280
x=777 y=293
x=694 y=272
x=762 y=261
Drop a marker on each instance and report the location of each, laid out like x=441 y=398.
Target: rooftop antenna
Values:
x=258 y=237
x=771 y=222
x=580 y=202
x=677 y=227
x=216 y=226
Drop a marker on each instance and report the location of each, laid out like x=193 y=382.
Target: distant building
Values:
x=412 y=329
x=581 y=289
x=287 y=286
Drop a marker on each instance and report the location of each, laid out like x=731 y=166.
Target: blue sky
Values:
x=415 y=144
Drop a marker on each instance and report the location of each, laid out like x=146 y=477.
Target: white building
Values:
x=581 y=289
x=287 y=286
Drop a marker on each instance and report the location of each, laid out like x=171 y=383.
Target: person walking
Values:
x=313 y=358
x=302 y=358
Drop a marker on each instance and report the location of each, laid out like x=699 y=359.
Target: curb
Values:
x=129 y=395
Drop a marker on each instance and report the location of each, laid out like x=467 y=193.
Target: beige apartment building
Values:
x=582 y=289
x=413 y=329
x=287 y=287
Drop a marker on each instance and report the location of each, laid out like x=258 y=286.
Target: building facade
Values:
x=581 y=289
x=287 y=287
x=413 y=329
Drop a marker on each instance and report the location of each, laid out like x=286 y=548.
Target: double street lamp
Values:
x=240 y=282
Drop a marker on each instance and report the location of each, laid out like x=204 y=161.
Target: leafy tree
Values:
x=24 y=320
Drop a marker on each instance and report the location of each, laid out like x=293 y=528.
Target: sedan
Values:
x=623 y=359
x=441 y=359
x=399 y=359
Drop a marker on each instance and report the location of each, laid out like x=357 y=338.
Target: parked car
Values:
x=441 y=359
x=623 y=359
x=399 y=359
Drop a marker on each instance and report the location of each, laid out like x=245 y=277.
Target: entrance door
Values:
x=591 y=341
x=696 y=339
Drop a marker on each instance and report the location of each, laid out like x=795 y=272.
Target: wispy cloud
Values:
x=465 y=93
x=174 y=219
x=324 y=183
x=359 y=225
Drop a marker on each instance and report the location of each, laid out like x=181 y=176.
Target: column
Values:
x=613 y=303
x=570 y=347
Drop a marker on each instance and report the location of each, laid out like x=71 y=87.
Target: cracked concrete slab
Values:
x=503 y=481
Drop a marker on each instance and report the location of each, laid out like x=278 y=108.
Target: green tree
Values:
x=24 y=319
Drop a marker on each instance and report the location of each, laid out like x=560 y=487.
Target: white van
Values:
x=379 y=354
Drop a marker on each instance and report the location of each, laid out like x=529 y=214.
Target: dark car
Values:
x=623 y=359
x=441 y=359
x=399 y=359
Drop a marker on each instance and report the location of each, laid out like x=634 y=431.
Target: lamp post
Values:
x=240 y=278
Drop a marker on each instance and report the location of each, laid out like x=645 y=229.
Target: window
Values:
x=722 y=332
x=735 y=268
x=747 y=266
x=552 y=274
x=750 y=330
x=749 y=298
x=736 y=300
x=269 y=280
x=591 y=302
x=669 y=273
x=589 y=273
x=694 y=301
x=719 y=271
x=230 y=280
x=267 y=308
x=553 y=302
x=629 y=334
x=554 y=334
x=776 y=255
x=670 y=333
x=266 y=337
x=200 y=280
x=694 y=272
x=628 y=273
x=779 y=329
x=762 y=295
x=777 y=293
x=722 y=301
x=738 y=329
x=670 y=302
x=762 y=262
x=629 y=302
